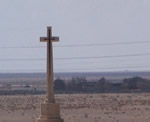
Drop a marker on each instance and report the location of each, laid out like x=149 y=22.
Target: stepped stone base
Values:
x=50 y=120
x=50 y=112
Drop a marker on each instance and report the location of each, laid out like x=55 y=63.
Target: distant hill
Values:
x=105 y=74
x=20 y=75
x=99 y=82
x=110 y=75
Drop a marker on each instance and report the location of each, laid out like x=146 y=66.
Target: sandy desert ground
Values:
x=80 y=107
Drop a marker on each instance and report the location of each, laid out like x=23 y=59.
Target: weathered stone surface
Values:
x=50 y=120
x=50 y=111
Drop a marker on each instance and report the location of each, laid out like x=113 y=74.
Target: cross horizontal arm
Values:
x=45 y=39
x=55 y=39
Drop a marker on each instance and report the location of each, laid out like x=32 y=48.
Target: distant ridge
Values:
x=145 y=74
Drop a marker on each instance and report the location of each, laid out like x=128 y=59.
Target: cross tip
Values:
x=49 y=27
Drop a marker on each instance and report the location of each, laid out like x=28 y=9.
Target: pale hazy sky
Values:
x=76 y=22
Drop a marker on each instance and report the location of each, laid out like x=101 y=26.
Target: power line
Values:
x=102 y=44
x=74 y=65
x=89 y=69
x=96 y=57
x=76 y=58
x=108 y=68
x=23 y=71
x=22 y=47
x=18 y=59
x=80 y=45
x=80 y=63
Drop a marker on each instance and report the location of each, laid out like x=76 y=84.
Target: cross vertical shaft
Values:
x=50 y=111
x=50 y=91
x=49 y=39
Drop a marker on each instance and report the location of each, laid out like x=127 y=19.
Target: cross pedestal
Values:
x=50 y=111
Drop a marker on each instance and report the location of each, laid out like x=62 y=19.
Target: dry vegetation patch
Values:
x=80 y=107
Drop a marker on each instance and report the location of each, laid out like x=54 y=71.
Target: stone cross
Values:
x=50 y=111
x=49 y=39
